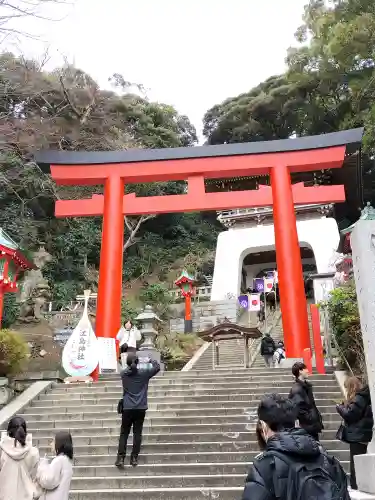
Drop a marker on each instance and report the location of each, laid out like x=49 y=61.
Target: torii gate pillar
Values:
x=289 y=264
x=111 y=259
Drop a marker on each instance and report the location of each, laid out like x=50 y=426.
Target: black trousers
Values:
x=135 y=419
x=355 y=449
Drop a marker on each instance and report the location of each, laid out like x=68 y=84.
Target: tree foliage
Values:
x=344 y=319
x=329 y=84
x=65 y=109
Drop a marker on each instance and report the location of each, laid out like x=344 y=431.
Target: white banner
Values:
x=254 y=302
x=268 y=284
x=108 y=358
x=81 y=352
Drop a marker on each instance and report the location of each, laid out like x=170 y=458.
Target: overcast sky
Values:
x=191 y=54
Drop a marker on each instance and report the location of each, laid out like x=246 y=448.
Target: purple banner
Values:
x=243 y=300
x=259 y=285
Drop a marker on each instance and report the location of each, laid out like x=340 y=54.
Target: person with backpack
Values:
x=358 y=421
x=301 y=394
x=133 y=405
x=279 y=354
x=267 y=349
x=54 y=478
x=18 y=463
x=292 y=465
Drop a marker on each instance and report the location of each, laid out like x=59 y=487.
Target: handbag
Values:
x=341 y=433
x=120 y=406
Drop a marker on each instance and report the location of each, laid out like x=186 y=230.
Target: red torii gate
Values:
x=277 y=158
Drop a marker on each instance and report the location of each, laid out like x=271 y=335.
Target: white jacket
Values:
x=18 y=467
x=55 y=478
x=130 y=337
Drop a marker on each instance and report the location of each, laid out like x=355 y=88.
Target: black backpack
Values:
x=268 y=346
x=323 y=479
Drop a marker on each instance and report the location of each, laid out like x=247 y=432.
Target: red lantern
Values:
x=186 y=284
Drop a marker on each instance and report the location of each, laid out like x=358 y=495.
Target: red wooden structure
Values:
x=12 y=263
x=186 y=284
x=278 y=159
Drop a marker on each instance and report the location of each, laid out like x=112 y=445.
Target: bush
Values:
x=345 y=323
x=11 y=310
x=157 y=296
x=14 y=353
x=177 y=348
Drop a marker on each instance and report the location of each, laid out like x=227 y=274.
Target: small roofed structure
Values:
x=13 y=263
x=229 y=331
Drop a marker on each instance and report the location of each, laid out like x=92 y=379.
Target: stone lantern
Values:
x=148 y=321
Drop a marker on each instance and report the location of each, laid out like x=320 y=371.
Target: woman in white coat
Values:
x=18 y=463
x=128 y=336
x=54 y=478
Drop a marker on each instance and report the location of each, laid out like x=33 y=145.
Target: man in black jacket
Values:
x=267 y=349
x=301 y=394
x=278 y=437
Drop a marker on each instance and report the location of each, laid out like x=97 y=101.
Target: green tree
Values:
x=65 y=109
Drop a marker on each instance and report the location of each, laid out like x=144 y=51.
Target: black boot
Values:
x=133 y=461
x=120 y=461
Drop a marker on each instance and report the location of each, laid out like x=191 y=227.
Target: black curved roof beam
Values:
x=350 y=138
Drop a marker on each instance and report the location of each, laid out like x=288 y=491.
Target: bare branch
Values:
x=22 y=9
x=67 y=97
x=133 y=226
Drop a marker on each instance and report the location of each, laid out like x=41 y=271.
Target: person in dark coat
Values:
x=301 y=394
x=277 y=434
x=356 y=413
x=135 y=382
x=267 y=349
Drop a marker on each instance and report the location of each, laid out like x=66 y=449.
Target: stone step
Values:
x=248 y=375
x=239 y=453
x=110 y=436
x=172 y=395
x=111 y=418
x=129 y=481
x=208 y=374
x=196 y=447
x=219 y=384
x=104 y=396
x=179 y=469
x=223 y=493
x=196 y=389
x=211 y=427
x=181 y=403
x=205 y=425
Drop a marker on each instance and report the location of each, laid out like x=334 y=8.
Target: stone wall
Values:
x=204 y=315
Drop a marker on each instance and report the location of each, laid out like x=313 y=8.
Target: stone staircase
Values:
x=199 y=438
x=231 y=354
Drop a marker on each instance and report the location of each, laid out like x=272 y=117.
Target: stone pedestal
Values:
x=363 y=247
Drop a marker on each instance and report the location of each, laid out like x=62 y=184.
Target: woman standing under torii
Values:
x=128 y=336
